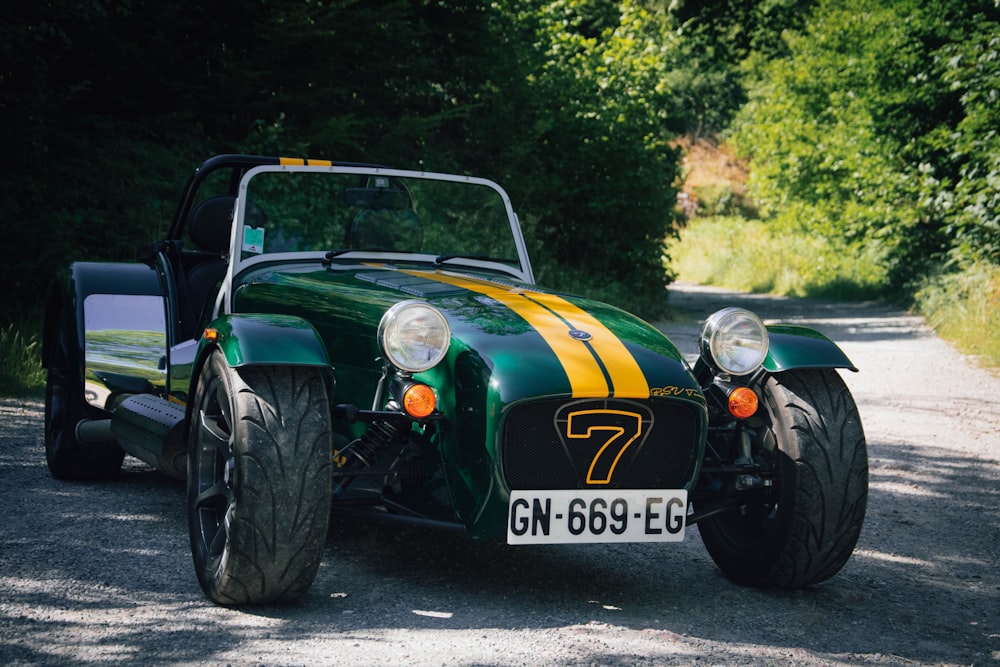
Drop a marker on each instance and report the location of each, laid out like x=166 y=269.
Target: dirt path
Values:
x=100 y=574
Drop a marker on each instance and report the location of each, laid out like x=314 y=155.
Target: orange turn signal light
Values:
x=419 y=401
x=212 y=334
x=742 y=402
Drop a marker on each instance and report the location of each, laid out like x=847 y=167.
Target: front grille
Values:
x=553 y=444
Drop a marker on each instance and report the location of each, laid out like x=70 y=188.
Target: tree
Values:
x=972 y=70
x=601 y=183
x=568 y=103
x=850 y=133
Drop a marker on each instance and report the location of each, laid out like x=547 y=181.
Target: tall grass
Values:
x=21 y=372
x=748 y=255
x=962 y=307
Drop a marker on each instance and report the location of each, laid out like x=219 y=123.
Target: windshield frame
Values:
x=239 y=264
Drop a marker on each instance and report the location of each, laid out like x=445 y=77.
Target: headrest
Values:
x=211 y=222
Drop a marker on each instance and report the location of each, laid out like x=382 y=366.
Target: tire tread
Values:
x=822 y=489
x=282 y=492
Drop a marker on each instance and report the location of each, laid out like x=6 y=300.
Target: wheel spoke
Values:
x=217 y=432
x=218 y=540
x=225 y=409
x=215 y=497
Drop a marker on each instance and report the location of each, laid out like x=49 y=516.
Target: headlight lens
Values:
x=414 y=336
x=734 y=340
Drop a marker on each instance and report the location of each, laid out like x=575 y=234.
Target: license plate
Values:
x=628 y=515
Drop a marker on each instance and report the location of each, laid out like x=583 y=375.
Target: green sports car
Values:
x=314 y=336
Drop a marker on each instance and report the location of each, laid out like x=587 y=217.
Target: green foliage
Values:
x=718 y=199
x=600 y=193
x=566 y=103
x=972 y=69
x=715 y=38
x=853 y=134
x=871 y=125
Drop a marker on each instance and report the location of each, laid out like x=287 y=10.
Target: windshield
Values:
x=348 y=212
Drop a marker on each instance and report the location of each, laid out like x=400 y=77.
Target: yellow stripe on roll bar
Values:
x=299 y=162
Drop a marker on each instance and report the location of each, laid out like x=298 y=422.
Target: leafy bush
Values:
x=864 y=130
x=597 y=196
x=719 y=200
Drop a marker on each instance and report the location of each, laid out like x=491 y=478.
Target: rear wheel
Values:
x=803 y=530
x=65 y=406
x=259 y=489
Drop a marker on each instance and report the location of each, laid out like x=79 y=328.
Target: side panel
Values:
x=801 y=347
x=118 y=328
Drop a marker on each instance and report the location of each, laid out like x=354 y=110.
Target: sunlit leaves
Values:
x=872 y=126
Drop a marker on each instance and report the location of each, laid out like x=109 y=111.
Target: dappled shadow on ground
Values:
x=911 y=601
x=100 y=573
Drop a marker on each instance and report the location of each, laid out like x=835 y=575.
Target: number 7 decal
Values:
x=618 y=429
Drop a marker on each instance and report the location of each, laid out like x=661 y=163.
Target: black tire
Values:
x=804 y=530
x=65 y=407
x=259 y=481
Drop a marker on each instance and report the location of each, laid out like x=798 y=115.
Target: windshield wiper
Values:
x=329 y=256
x=336 y=253
x=441 y=259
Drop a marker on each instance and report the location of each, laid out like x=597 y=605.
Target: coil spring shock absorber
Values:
x=367 y=449
x=364 y=452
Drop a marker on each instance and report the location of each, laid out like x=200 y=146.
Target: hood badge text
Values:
x=577 y=334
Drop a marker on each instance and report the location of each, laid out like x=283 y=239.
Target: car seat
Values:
x=211 y=222
x=209 y=227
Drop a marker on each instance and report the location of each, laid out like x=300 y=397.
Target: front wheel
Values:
x=259 y=481
x=803 y=530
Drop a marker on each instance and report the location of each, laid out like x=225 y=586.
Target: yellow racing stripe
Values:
x=627 y=378
x=551 y=316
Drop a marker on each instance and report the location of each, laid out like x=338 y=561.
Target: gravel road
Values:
x=100 y=574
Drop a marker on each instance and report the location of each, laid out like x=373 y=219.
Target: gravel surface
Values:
x=100 y=574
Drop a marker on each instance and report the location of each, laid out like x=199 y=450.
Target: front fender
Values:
x=263 y=339
x=794 y=346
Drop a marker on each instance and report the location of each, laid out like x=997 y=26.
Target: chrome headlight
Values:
x=734 y=340
x=414 y=336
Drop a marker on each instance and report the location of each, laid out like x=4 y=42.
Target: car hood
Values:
x=530 y=342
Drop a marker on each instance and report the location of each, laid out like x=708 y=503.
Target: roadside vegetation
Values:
x=745 y=254
x=866 y=130
x=21 y=372
x=964 y=308
x=724 y=242
x=872 y=166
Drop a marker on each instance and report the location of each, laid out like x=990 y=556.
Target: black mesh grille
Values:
x=555 y=444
